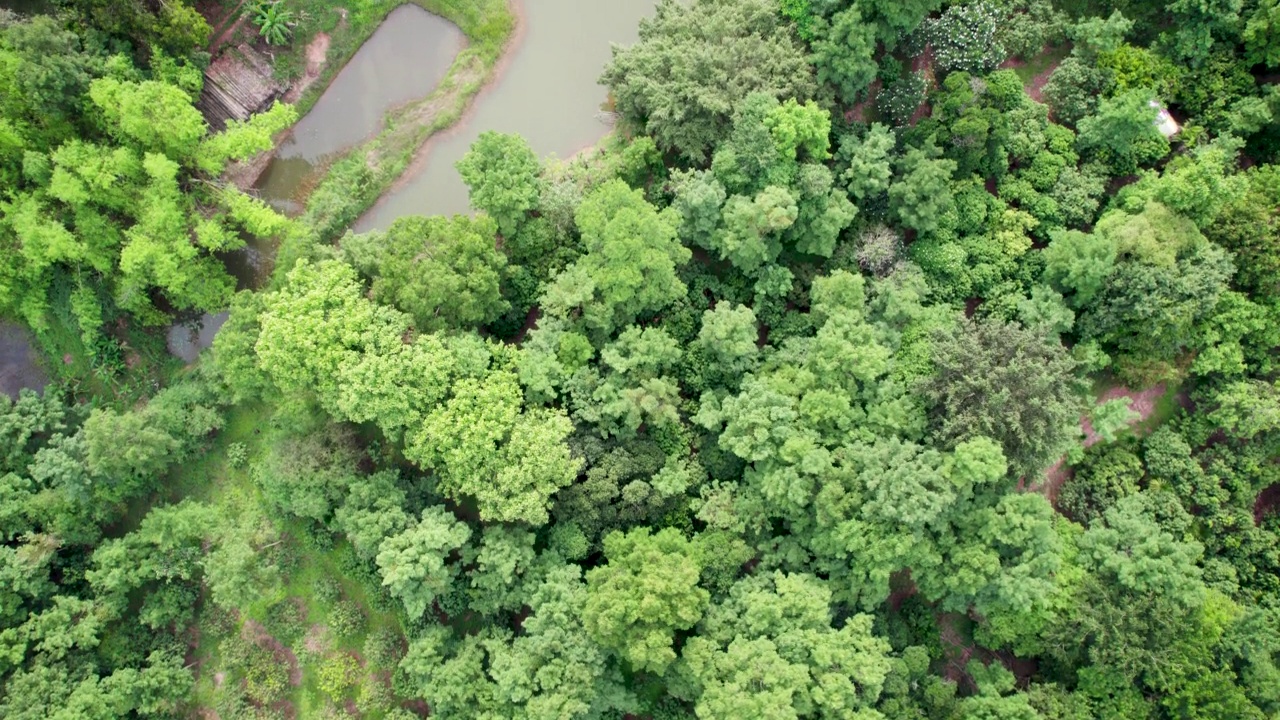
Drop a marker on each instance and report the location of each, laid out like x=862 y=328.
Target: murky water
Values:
x=18 y=361
x=547 y=92
x=404 y=59
x=27 y=7
x=251 y=266
x=185 y=340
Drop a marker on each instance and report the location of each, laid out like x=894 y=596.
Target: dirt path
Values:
x=236 y=19
x=1142 y=402
x=859 y=112
x=1035 y=86
x=259 y=635
x=317 y=53
x=923 y=63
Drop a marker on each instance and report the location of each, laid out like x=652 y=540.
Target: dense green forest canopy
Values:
x=893 y=360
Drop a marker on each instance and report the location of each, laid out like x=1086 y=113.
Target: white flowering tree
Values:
x=965 y=38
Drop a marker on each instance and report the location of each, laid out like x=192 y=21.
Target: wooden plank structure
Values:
x=237 y=84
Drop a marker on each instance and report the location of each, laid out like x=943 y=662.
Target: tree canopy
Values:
x=892 y=360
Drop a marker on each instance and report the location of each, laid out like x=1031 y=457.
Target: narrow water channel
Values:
x=546 y=92
x=404 y=60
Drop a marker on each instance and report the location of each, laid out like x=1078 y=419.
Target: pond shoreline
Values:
x=306 y=91
x=545 y=89
x=421 y=155
x=401 y=63
x=357 y=178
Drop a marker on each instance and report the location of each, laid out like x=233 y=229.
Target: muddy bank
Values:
x=404 y=60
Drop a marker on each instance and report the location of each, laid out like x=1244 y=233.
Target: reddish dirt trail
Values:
x=317 y=54
x=256 y=633
x=1142 y=402
x=1034 y=87
x=236 y=18
x=923 y=63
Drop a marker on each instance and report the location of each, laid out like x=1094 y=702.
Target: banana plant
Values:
x=275 y=22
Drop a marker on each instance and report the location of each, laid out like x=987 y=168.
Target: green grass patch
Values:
x=324 y=609
x=1042 y=62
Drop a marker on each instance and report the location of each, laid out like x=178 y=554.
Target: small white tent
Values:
x=1164 y=121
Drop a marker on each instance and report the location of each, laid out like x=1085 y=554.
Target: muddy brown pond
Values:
x=546 y=91
x=404 y=60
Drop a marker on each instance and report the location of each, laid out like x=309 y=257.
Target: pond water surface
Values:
x=404 y=59
x=251 y=266
x=546 y=91
x=186 y=339
x=19 y=366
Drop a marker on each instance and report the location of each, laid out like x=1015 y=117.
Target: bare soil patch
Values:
x=255 y=632
x=923 y=63
x=956 y=650
x=1035 y=88
x=316 y=640
x=1142 y=402
x=1049 y=57
x=316 y=54
x=225 y=24
x=860 y=111
x=1268 y=502
x=1054 y=478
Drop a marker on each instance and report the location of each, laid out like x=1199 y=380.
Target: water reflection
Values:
x=404 y=60
x=19 y=366
x=185 y=340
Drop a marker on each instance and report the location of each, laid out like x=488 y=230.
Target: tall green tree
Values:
x=1012 y=384
x=501 y=171
x=843 y=53
x=415 y=564
x=696 y=61
x=446 y=273
x=629 y=268
x=1122 y=132
x=645 y=593
x=770 y=650
x=922 y=194
x=484 y=444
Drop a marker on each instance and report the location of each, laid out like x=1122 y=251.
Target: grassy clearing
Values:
x=1042 y=62
x=1156 y=410
x=324 y=610
x=356 y=180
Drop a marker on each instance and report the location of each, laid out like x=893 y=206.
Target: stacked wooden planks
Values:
x=236 y=85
